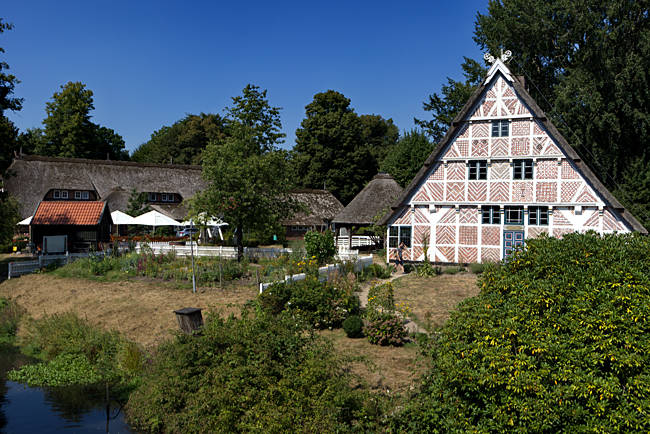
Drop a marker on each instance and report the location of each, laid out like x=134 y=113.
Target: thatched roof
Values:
x=322 y=206
x=30 y=177
x=371 y=203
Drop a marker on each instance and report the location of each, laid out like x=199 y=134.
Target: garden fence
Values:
x=19 y=268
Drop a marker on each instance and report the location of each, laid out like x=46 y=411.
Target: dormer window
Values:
x=500 y=128
x=477 y=169
x=56 y=194
x=64 y=194
x=153 y=197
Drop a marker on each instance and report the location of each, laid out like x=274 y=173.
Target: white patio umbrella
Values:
x=25 y=222
x=155 y=218
x=120 y=218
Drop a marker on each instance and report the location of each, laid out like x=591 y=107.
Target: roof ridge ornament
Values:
x=504 y=57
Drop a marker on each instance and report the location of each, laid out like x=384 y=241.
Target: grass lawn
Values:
x=431 y=299
x=140 y=309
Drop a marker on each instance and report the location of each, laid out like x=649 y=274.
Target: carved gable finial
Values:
x=505 y=56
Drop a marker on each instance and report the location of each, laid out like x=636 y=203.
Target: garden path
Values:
x=411 y=326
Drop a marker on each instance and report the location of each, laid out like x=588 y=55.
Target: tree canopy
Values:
x=69 y=131
x=8 y=131
x=407 y=157
x=248 y=176
x=183 y=142
x=338 y=150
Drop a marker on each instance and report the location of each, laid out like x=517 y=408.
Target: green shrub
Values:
x=453 y=270
x=386 y=329
x=353 y=326
x=428 y=270
x=257 y=373
x=320 y=245
x=10 y=314
x=376 y=270
x=409 y=268
x=476 y=268
x=558 y=340
x=381 y=299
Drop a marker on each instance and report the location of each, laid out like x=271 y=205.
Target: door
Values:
x=511 y=240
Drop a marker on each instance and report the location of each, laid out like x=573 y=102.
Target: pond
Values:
x=52 y=410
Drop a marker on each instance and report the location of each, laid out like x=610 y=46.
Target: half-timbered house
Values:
x=503 y=173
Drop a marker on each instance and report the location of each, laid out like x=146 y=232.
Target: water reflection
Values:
x=35 y=410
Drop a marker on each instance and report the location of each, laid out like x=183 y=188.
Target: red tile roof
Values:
x=68 y=213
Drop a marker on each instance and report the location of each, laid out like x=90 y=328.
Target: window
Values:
x=477 y=170
x=491 y=215
x=522 y=169
x=163 y=197
x=77 y=195
x=153 y=197
x=514 y=215
x=538 y=215
x=168 y=197
x=64 y=194
x=56 y=194
x=399 y=234
x=500 y=128
x=85 y=195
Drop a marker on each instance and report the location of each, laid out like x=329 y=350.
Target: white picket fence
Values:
x=324 y=273
x=357 y=241
x=19 y=268
x=219 y=251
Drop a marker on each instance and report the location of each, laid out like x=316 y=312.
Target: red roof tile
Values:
x=68 y=213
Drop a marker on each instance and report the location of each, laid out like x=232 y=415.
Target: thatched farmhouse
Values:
x=319 y=208
x=503 y=173
x=370 y=205
x=32 y=179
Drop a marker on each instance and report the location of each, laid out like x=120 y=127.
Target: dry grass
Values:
x=384 y=368
x=431 y=299
x=141 y=310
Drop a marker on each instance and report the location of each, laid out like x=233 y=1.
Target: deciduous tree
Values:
x=8 y=131
x=407 y=157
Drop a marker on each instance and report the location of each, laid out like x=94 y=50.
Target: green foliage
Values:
x=10 y=314
x=427 y=270
x=138 y=203
x=386 y=329
x=381 y=299
x=319 y=304
x=8 y=131
x=446 y=106
x=353 y=326
x=557 y=340
x=407 y=157
x=260 y=372
x=76 y=353
x=376 y=270
x=453 y=270
x=320 y=245
x=183 y=142
x=9 y=216
x=588 y=68
x=69 y=132
x=248 y=177
x=338 y=149
x=476 y=268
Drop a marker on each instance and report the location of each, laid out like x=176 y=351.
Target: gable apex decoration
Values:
x=498 y=65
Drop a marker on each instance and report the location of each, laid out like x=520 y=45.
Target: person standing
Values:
x=400 y=256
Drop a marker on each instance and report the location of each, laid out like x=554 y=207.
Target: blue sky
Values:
x=150 y=63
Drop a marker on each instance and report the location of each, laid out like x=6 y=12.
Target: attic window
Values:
x=153 y=197
x=56 y=194
x=64 y=194
x=500 y=128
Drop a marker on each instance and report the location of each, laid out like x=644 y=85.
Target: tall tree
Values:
x=587 y=66
x=379 y=134
x=8 y=131
x=445 y=106
x=69 y=132
x=407 y=157
x=248 y=176
x=334 y=148
x=183 y=142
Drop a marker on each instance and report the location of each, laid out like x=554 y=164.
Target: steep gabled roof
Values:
x=30 y=177
x=81 y=213
x=321 y=206
x=499 y=69
x=375 y=199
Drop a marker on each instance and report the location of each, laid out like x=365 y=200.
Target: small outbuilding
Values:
x=70 y=226
x=319 y=208
x=368 y=207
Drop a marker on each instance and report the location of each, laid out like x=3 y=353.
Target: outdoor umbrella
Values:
x=155 y=218
x=25 y=222
x=120 y=218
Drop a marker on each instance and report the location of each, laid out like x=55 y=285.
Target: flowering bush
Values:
x=320 y=245
x=386 y=329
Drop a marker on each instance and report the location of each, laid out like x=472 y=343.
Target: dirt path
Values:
x=141 y=310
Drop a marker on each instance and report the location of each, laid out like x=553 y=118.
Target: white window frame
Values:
x=394 y=240
x=85 y=195
x=56 y=194
x=502 y=128
x=77 y=195
x=152 y=197
x=477 y=170
x=64 y=194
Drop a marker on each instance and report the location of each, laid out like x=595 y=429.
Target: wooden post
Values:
x=189 y=319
